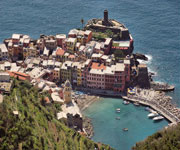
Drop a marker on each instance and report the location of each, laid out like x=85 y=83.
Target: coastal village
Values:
x=96 y=60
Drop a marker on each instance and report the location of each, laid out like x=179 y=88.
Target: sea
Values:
x=155 y=27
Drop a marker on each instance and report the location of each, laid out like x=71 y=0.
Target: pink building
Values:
x=107 y=78
x=107 y=45
x=127 y=70
x=60 y=38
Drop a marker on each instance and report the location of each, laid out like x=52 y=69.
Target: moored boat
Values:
x=117 y=118
x=147 y=108
x=153 y=114
x=118 y=110
x=125 y=129
x=158 y=118
x=125 y=102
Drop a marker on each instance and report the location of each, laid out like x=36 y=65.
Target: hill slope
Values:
x=35 y=127
x=167 y=139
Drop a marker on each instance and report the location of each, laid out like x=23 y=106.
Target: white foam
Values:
x=148 y=62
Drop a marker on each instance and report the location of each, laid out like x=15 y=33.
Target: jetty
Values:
x=162 y=87
x=157 y=101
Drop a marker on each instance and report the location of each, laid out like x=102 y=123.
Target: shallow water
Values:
x=109 y=130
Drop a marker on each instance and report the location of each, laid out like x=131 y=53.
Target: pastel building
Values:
x=16 y=38
x=60 y=39
x=127 y=69
x=107 y=77
x=96 y=76
x=107 y=45
x=73 y=33
x=51 y=44
x=3 y=52
x=70 y=44
x=65 y=71
x=60 y=55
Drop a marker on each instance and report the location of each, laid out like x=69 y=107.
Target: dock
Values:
x=169 y=111
x=162 y=87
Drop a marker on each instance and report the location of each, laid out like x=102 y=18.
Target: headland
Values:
x=97 y=59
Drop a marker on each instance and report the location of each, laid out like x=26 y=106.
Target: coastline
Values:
x=159 y=101
x=84 y=101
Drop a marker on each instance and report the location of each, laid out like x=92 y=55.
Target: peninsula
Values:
x=96 y=60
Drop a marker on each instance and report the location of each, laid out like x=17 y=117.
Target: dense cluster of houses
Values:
x=77 y=57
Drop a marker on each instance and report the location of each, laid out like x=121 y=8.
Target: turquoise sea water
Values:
x=155 y=27
x=109 y=130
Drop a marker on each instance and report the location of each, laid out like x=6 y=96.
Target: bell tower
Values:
x=67 y=92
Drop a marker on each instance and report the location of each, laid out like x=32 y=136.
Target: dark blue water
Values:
x=154 y=25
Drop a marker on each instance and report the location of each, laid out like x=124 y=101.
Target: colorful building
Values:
x=70 y=44
x=60 y=55
x=60 y=39
x=3 y=52
x=65 y=71
x=107 y=77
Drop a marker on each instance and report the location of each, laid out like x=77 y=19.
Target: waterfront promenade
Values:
x=158 y=101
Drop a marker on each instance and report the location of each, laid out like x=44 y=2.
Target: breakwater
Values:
x=158 y=101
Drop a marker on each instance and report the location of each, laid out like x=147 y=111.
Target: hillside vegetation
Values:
x=36 y=126
x=167 y=139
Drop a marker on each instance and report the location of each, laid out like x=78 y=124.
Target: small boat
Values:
x=125 y=102
x=158 y=118
x=125 y=129
x=117 y=118
x=154 y=114
x=147 y=109
x=118 y=110
x=136 y=104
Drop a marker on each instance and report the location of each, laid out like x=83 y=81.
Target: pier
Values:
x=157 y=101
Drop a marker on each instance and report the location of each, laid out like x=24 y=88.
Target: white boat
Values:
x=118 y=110
x=117 y=118
x=125 y=102
x=154 y=114
x=158 y=118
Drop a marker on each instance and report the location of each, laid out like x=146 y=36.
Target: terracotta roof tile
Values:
x=60 y=52
x=98 y=66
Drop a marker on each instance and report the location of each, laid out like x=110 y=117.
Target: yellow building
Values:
x=66 y=72
x=70 y=44
x=80 y=37
x=79 y=75
x=30 y=52
x=56 y=74
x=67 y=92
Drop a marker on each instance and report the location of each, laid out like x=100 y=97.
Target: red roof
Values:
x=98 y=66
x=60 y=52
x=21 y=74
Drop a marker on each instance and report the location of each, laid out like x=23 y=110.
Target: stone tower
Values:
x=106 y=16
x=67 y=92
x=105 y=21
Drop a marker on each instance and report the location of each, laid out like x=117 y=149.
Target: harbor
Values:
x=157 y=101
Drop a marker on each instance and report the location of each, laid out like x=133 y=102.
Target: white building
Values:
x=3 y=52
